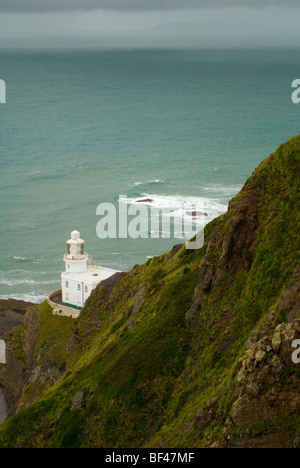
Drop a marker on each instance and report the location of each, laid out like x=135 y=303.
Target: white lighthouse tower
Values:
x=80 y=278
x=76 y=259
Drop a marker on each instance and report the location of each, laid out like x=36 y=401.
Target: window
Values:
x=69 y=266
x=67 y=297
x=79 y=287
x=67 y=284
x=86 y=289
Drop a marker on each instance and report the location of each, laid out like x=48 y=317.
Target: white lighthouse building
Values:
x=80 y=278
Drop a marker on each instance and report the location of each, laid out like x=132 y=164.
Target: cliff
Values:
x=36 y=351
x=192 y=349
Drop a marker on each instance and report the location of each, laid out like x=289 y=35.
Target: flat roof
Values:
x=93 y=275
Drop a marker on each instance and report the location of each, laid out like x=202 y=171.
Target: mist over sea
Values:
x=82 y=128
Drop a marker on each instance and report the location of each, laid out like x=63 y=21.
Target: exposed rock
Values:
x=272 y=440
x=282 y=340
x=196 y=214
x=11 y=314
x=203 y=420
x=206 y=415
x=147 y=200
x=296 y=443
x=276 y=340
x=137 y=305
x=208 y=279
x=77 y=401
x=192 y=315
x=225 y=345
x=259 y=396
x=4 y=410
x=175 y=250
x=130 y=324
x=23 y=369
x=138 y=300
x=14 y=375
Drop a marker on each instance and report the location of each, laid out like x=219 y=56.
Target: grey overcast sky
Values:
x=131 y=5
x=149 y=23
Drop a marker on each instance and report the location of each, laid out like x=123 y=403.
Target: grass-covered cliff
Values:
x=192 y=349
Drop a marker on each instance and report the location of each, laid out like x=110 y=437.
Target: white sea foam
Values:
x=18 y=282
x=20 y=273
x=36 y=261
x=148 y=182
x=24 y=225
x=178 y=208
x=28 y=297
x=181 y=204
x=223 y=191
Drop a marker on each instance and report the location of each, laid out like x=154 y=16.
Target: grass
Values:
x=52 y=337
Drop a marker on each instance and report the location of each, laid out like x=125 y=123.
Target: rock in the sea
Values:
x=196 y=214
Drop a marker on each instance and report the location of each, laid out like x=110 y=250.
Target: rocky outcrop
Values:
x=26 y=368
x=267 y=384
x=137 y=305
x=11 y=314
x=77 y=401
x=3 y=407
x=205 y=416
x=20 y=349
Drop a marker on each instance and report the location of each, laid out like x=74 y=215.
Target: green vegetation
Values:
x=143 y=372
x=18 y=344
x=53 y=334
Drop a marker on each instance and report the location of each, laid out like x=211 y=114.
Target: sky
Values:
x=149 y=23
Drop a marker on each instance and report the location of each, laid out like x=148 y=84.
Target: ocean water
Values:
x=82 y=128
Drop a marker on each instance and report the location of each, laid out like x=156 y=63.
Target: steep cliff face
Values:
x=192 y=349
x=11 y=316
x=35 y=342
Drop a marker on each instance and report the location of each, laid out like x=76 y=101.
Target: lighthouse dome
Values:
x=75 y=235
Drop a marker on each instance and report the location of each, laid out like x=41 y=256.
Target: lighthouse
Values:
x=76 y=260
x=80 y=277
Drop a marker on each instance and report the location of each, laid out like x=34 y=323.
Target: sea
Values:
x=80 y=128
